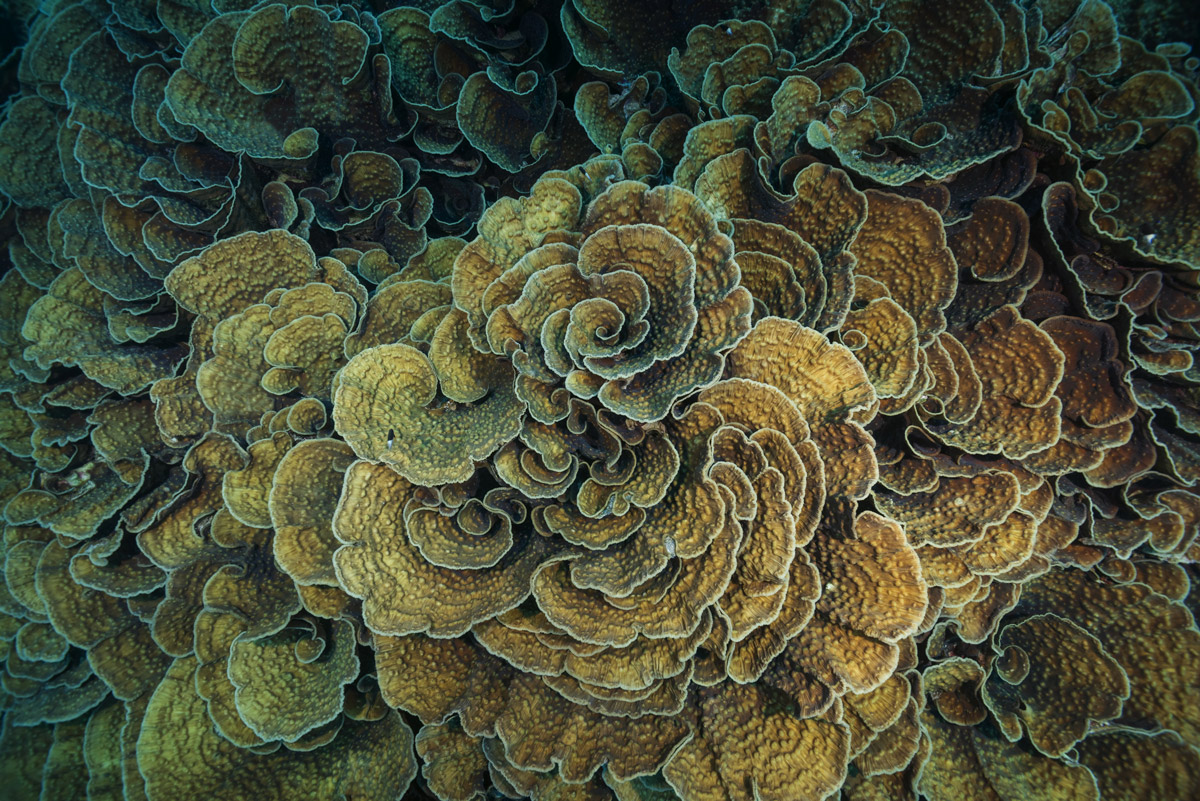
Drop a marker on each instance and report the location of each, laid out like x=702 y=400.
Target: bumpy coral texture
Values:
x=599 y=401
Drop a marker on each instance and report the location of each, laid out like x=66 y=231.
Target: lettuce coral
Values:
x=772 y=400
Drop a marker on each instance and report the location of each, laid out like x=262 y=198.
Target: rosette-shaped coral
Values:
x=607 y=496
x=599 y=401
x=634 y=307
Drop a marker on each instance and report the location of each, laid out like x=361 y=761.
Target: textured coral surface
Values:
x=587 y=400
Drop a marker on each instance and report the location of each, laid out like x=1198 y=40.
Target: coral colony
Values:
x=584 y=400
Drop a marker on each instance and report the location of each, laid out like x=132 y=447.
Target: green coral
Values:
x=690 y=401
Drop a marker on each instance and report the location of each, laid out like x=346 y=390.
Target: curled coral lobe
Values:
x=706 y=401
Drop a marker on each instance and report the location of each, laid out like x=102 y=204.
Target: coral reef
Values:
x=585 y=400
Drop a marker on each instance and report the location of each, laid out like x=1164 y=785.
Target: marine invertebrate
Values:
x=588 y=400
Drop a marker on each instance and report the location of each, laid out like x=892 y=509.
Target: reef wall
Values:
x=583 y=400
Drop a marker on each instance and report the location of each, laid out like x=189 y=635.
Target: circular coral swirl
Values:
x=631 y=306
x=597 y=491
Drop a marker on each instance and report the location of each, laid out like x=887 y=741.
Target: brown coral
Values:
x=832 y=432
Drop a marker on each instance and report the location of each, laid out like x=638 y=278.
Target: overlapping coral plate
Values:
x=581 y=400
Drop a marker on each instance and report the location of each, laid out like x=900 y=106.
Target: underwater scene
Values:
x=599 y=400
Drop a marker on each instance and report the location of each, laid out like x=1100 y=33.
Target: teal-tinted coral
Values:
x=591 y=400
